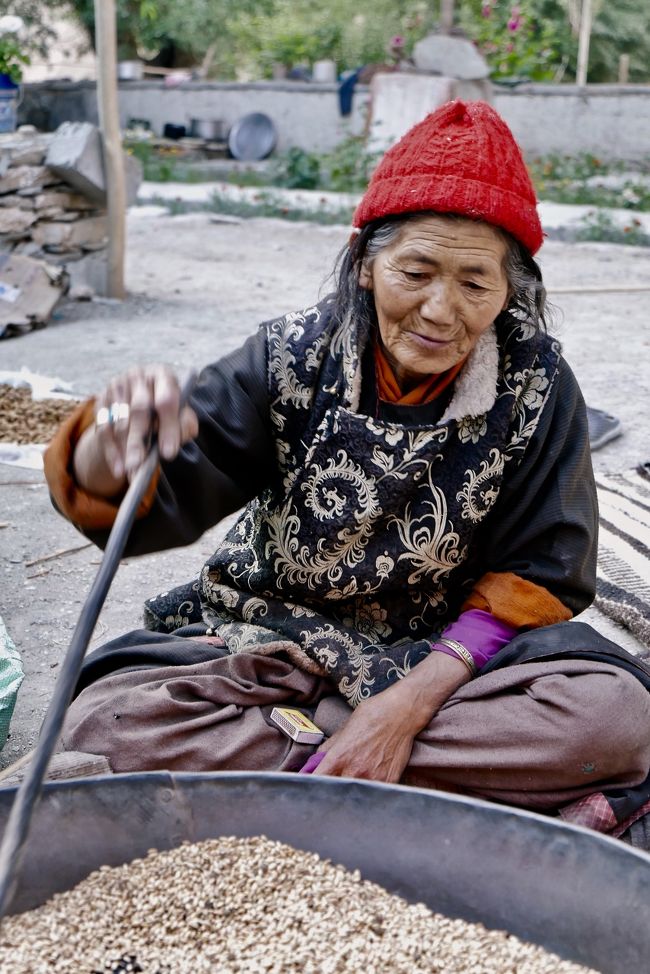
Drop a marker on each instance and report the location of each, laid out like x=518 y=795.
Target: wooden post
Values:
x=624 y=69
x=584 y=40
x=446 y=16
x=109 y=123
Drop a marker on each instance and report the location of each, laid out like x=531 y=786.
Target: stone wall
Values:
x=44 y=218
x=305 y=115
x=610 y=121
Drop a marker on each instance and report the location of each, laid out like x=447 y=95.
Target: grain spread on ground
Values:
x=27 y=420
x=247 y=906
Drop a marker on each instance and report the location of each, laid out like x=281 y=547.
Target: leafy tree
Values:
x=352 y=32
x=528 y=38
x=38 y=35
x=533 y=38
x=619 y=28
x=539 y=38
x=188 y=30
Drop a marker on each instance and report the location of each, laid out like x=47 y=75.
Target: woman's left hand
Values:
x=375 y=743
x=377 y=739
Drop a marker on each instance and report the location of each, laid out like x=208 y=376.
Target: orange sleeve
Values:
x=85 y=510
x=516 y=601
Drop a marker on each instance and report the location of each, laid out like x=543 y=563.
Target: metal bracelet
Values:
x=461 y=651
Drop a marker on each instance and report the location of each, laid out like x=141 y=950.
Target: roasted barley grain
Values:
x=27 y=420
x=250 y=906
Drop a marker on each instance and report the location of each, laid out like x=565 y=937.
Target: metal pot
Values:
x=130 y=70
x=572 y=891
x=210 y=129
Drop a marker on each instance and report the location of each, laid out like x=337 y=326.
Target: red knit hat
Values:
x=461 y=159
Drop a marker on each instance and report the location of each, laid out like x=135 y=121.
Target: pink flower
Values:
x=515 y=19
x=397 y=41
x=486 y=10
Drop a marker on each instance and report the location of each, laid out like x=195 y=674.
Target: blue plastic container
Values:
x=8 y=103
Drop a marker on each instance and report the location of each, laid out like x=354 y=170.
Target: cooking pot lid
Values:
x=252 y=137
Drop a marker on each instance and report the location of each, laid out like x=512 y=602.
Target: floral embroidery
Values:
x=370 y=620
x=481 y=490
x=176 y=621
x=429 y=546
x=353 y=560
x=390 y=434
x=216 y=592
x=384 y=565
x=472 y=428
x=531 y=393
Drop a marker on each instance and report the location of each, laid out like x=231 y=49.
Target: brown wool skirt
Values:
x=537 y=734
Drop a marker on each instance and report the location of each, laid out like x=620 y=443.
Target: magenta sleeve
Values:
x=312 y=762
x=480 y=633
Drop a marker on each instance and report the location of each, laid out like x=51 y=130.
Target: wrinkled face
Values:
x=437 y=287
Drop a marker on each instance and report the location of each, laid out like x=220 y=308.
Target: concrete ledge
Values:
x=564 y=91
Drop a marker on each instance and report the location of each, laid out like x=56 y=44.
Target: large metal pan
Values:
x=252 y=137
x=568 y=889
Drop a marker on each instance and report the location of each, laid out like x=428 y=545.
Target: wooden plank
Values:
x=64 y=765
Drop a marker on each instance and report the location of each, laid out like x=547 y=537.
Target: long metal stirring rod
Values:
x=22 y=810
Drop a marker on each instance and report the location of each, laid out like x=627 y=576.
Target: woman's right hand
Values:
x=109 y=452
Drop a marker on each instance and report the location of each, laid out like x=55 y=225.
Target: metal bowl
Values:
x=210 y=129
x=252 y=137
x=572 y=891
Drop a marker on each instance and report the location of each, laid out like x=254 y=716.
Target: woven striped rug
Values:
x=623 y=586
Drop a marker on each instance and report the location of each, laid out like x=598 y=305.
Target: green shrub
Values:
x=349 y=166
x=346 y=169
x=12 y=58
x=521 y=38
x=575 y=179
x=297 y=169
x=599 y=226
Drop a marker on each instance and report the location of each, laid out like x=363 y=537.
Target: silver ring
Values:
x=103 y=417
x=119 y=411
x=109 y=415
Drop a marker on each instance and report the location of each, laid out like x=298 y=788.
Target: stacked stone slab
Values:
x=41 y=216
x=53 y=200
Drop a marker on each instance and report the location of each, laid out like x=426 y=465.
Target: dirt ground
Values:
x=197 y=288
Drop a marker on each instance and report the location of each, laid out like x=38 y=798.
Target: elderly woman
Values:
x=419 y=524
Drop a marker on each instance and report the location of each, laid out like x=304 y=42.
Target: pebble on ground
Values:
x=251 y=906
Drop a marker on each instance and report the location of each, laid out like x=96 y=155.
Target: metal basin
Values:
x=568 y=889
x=252 y=137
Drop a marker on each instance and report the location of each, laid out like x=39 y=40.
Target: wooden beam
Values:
x=584 y=41
x=446 y=16
x=109 y=123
